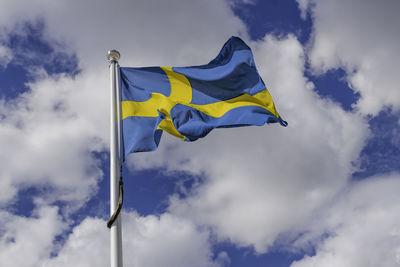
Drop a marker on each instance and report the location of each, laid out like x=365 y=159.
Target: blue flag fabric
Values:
x=188 y=102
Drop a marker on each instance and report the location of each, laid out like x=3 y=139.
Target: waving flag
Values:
x=188 y=102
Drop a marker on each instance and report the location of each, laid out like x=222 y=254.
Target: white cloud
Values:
x=362 y=40
x=266 y=181
x=260 y=182
x=49 y=132
x=363 y=227
x=304 y=6
x=146 y=32
x=6 y=56
x=25 y=241
x=47 y=135
x=87 y=245
x=176 y=242
x=147 y=241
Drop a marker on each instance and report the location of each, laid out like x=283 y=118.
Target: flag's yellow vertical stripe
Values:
x=181 y=92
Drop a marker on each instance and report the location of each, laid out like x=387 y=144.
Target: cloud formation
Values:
x=47 y=136
x=363 y=41
x=6 y=56
x=362 y=227
x=49 y=132
x=147 y=241
x=258 y=186
x=251 y=171
x=25 y=241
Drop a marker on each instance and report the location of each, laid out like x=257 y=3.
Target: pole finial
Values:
x=113 y=56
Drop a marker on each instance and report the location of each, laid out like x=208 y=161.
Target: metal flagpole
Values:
x=115 y=159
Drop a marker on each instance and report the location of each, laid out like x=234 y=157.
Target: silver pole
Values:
x=115 y=164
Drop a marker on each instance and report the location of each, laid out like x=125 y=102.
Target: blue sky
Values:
x=321 y=192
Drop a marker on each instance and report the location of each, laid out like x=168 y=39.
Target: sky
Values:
x=321 y=192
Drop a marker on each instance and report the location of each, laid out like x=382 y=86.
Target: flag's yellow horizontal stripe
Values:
x=147 y=108
x=159 y=102
x=218 y=109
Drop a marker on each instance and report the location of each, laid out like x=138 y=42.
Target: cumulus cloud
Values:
x=25 y=241
x=362 y=227
x=263 y=182
x=6 y=56
x=145 y=32
x=49 y=132
x=363 y=41
x=47 y=136
x=147 y=241
x=259 y=182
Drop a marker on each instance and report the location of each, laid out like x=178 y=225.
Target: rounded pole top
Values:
x=113 y=56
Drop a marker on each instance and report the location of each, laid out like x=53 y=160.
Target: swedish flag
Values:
x=188 y=102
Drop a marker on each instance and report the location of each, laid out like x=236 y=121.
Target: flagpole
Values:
x=115 y=159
